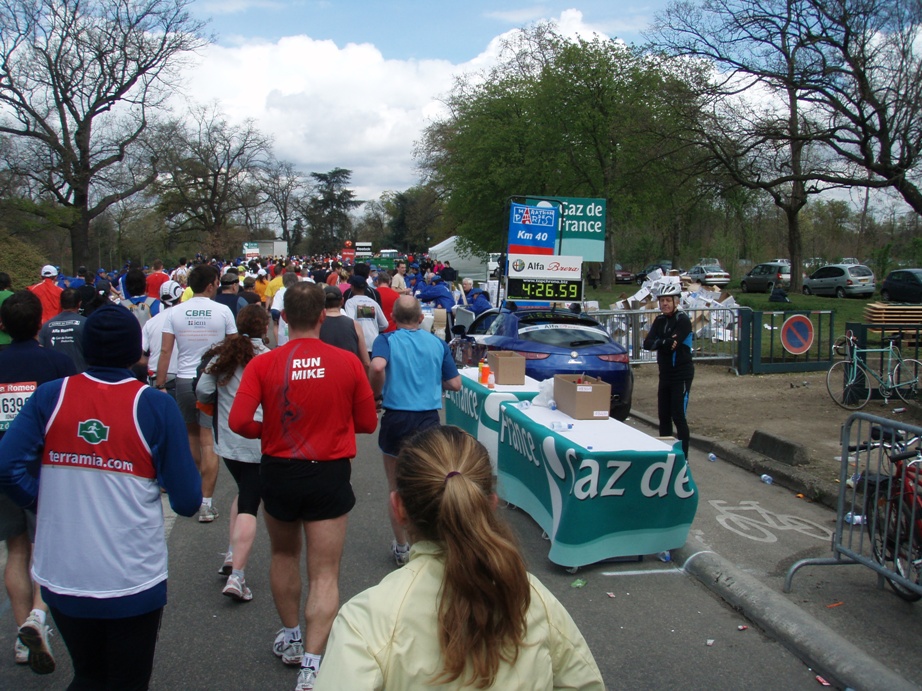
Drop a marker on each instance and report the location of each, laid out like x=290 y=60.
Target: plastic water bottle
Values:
x=552 y=404
x=767 y=479
x=664 y=556
x=855 y=518
x=491 y=381
x=712 y=457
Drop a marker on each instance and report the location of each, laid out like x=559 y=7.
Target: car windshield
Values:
x=563 y=335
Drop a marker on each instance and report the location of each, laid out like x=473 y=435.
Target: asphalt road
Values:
x=648 y=623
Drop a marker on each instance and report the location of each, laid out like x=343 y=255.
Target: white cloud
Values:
x=328 y=106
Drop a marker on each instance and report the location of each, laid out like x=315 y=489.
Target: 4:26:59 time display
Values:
x=537 y=289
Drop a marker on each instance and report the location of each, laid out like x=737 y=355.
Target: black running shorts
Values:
x=295 y=489
x=398 y=425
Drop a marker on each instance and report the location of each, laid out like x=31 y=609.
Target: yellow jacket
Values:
x=386 y=637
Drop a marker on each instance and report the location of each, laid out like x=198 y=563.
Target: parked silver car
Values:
x=841 y=280
x=763 y=277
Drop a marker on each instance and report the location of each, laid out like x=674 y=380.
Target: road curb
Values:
x=825 y=651
x=790 y=477
x=817 y=645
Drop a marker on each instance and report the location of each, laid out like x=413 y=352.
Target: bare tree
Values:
x=284 y=189
x=79 y=80
x=210 y=189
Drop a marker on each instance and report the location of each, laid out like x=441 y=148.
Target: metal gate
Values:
x=879 y=511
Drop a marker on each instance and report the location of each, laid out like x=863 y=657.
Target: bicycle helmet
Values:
x=669 y=290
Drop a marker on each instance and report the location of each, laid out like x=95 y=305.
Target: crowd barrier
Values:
x=879 y=511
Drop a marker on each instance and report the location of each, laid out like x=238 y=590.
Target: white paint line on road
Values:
x=641 y=572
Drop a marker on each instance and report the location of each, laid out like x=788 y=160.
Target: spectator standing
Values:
x=193 y=327
x=100 y=552
x=315 y=398
x=449 y=275
x=365 y=311
x=409 y=369
x=25 y=365
x=64 y=331
x=670 y=336
x=468 y=613
x=48 y=292
x=218 y=386
x=156 y=278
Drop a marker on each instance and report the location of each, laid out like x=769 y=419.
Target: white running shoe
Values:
x=237 y=588
x=306 y=678
x=291 y=653
x=227 y=568
x=22 y=652
x=206 y=514
x=34 y=636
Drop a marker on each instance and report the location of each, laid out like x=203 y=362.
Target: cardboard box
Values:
x=587 y=400
x=507 y=368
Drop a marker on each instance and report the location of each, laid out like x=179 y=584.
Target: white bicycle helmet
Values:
x=669 y=290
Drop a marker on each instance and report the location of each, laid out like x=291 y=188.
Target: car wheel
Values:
x=620 y=411
x=840 y=292
x=807 y=291
x=885 y=295
x=744 y=287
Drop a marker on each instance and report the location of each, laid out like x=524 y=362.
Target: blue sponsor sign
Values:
x=532 y=229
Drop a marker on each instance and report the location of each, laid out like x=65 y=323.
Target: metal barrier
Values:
x=716 y=332
x=879 y=514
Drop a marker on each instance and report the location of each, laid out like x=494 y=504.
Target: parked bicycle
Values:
x=849 y=381
x=893 y=511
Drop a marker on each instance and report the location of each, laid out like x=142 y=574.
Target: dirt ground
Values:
x=793 y=406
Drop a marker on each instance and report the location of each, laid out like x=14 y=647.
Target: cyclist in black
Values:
x=671 y=337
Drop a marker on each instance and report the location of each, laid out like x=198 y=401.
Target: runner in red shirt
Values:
x=314 y=399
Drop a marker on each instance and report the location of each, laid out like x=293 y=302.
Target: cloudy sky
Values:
x=352 y=84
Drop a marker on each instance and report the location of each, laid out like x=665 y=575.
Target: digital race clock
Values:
x=551 y=289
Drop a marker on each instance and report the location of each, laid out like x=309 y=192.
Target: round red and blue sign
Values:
x=797 y=334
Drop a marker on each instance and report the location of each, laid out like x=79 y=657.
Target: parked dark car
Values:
x=622 y=275
x=552 y=342
x=902 y=285
x=841 y=280
x=662 y=265
x=762 y=278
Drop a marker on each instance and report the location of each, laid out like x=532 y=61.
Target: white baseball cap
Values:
x=170 y=292
x=48 y=271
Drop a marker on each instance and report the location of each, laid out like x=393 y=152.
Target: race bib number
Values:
x=12 y=398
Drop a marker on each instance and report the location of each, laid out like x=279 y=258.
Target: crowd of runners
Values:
x=273 y=367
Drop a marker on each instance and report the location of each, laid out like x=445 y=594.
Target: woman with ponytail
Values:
x=464 y=612
x=220 y=379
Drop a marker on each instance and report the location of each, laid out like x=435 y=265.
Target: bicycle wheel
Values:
x=885 y=523
x=906 y=379
x=848 y=385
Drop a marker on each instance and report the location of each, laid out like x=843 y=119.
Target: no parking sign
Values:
x=797 y=334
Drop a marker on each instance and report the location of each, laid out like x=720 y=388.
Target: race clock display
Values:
x=551 y=289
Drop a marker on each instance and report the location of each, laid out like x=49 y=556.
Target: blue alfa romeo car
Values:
x=552 y=342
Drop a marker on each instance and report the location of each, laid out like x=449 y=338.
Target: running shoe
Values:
x=22 y=652
x=237 y=588
x=227 y=568
x=34 y=636
x=401 y=556
x=206 y=514
x=291 y=653
x=306 y=678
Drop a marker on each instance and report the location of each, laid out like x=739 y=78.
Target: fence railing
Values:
x=879 y=509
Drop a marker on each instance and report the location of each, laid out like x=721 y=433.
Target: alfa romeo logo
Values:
x=93 y=431
x=518 y=265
